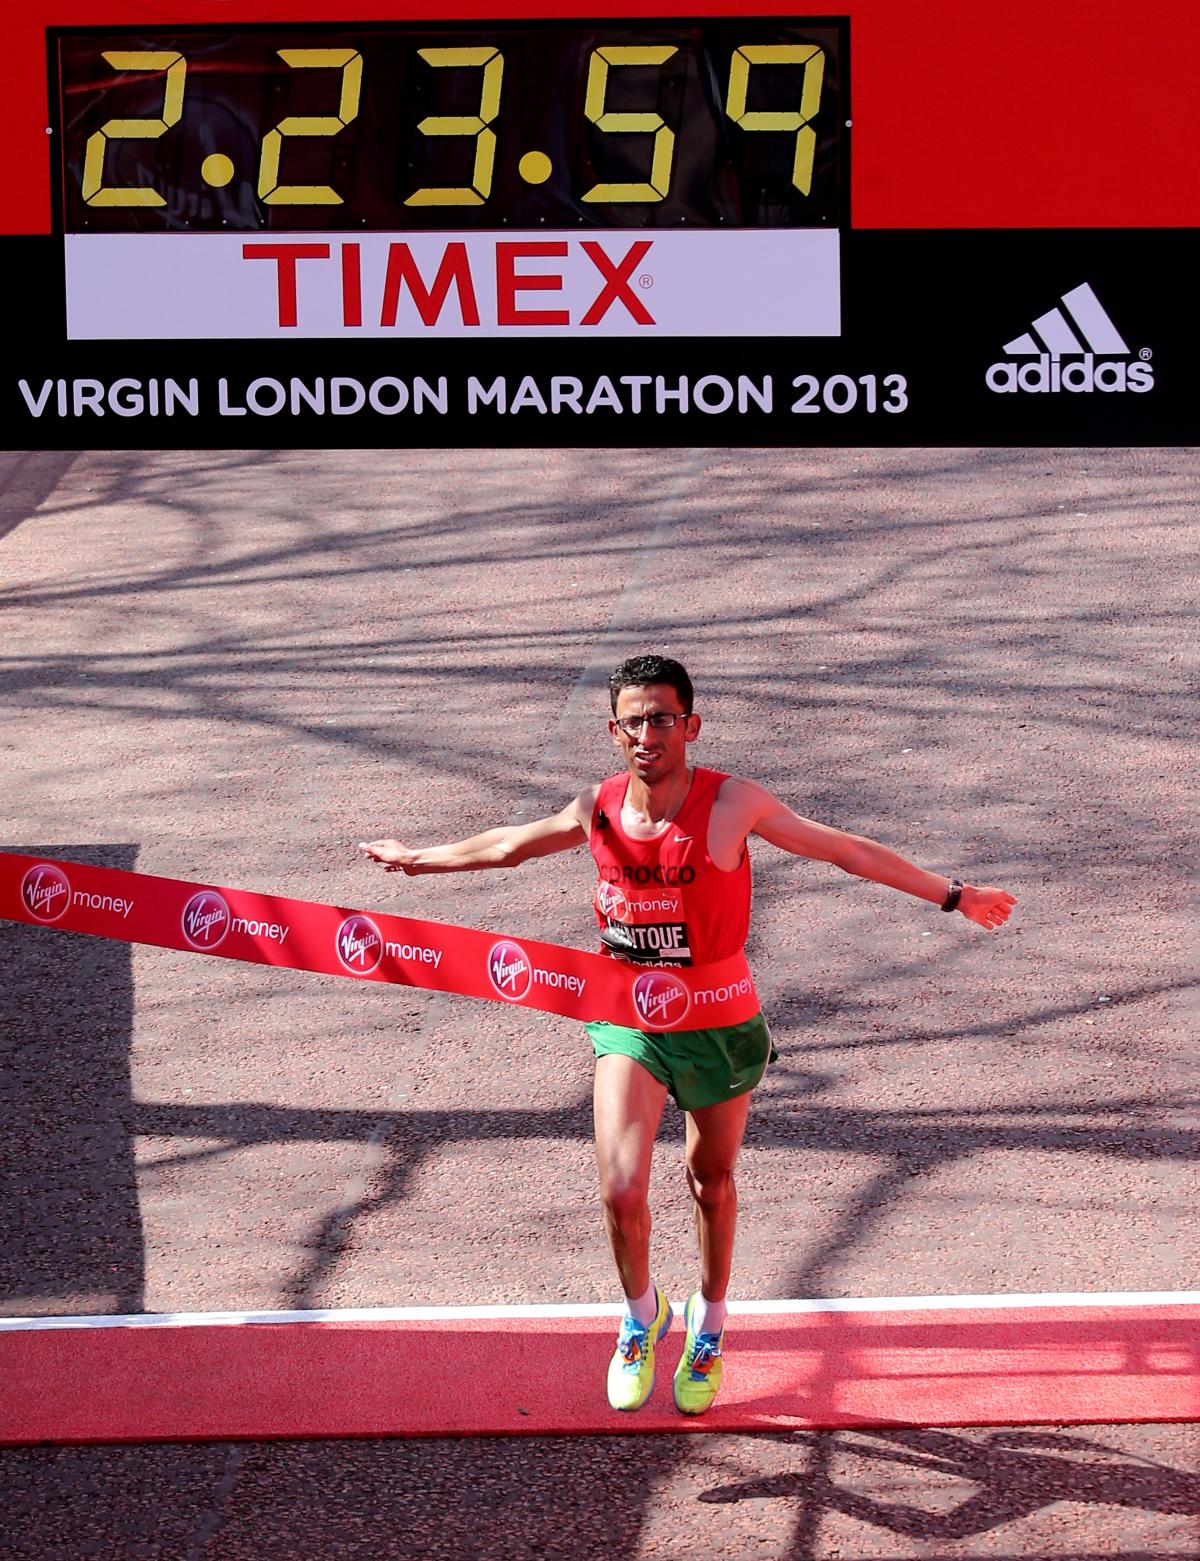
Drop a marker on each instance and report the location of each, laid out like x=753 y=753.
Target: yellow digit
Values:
x=270 y=191
x=631 y=124
x=94 y=191
x=465 y=125
x=812 y=57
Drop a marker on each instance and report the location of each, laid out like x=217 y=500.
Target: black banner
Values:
x=1074 y=337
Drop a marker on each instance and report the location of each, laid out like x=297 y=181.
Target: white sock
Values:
x=643 y=1308
x=707 y=1316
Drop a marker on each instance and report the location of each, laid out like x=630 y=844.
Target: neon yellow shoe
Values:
x=698 y=1375
x=631 y=1370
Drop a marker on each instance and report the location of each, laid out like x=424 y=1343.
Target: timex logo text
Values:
x=520 y=267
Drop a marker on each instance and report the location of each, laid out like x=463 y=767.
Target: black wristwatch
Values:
x=953 y=895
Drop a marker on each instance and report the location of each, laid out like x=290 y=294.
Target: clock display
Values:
x=390 y=127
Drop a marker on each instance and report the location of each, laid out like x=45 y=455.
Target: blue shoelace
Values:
x=632 y=1333
x=708 y=1348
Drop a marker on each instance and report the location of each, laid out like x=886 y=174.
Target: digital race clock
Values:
x=617 y=177
x=401 y=126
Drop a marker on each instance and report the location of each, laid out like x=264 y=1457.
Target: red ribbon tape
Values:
x=267 y=929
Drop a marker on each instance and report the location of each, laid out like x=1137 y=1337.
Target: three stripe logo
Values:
x=1079 y=330
x=1056 y=336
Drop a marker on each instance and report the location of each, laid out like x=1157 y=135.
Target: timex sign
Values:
x=208 y=285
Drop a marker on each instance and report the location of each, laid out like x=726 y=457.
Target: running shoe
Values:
x=631 y=1370
x=698 y=1375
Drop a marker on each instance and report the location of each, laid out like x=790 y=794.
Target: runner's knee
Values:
x=710 y=1188
x=624 y=1196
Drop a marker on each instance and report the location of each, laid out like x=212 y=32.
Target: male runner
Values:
x=674 y=888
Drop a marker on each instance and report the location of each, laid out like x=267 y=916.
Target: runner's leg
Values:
x=714 y=1136
x=628 y=1104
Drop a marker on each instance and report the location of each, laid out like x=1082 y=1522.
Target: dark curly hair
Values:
x=637 y=671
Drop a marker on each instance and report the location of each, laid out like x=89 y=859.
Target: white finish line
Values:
x=425 y=1314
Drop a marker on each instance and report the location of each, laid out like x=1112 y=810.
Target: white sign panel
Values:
x=191 y=286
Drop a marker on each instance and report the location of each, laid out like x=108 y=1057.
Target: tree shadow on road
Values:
x=229 y=662
x=586 y=1498
x=985 y=1480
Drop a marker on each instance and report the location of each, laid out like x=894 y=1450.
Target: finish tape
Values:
x=266 y=929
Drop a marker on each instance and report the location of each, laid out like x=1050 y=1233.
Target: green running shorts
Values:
x=699 y=1067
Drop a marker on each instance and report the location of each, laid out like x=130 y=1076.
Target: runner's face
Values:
x=653 y=754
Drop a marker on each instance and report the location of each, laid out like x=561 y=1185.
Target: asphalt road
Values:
x=233 y=666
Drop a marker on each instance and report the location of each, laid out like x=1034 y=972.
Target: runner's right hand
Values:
x=391 y=855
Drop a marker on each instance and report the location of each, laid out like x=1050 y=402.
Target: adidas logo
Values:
x=1081 y=331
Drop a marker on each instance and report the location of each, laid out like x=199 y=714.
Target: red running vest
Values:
x=664 y=901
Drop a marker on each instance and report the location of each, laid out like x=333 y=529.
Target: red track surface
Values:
x=538 y=1377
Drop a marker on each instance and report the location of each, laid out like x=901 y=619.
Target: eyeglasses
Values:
x=657 y=720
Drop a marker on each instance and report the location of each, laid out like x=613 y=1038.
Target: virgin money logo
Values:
x=509 y=970
x=660 y=999
x=46 y=892
x=205 y=920
x=359 y=945
x=611 y=901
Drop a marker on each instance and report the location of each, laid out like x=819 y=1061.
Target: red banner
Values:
x=267 y=929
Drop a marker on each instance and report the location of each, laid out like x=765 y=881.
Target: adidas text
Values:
x=1049 y=375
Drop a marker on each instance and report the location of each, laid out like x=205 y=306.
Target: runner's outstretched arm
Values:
x=772 y=820
x=507 y=846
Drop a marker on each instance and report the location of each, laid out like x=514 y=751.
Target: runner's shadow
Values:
x=71 y=1230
